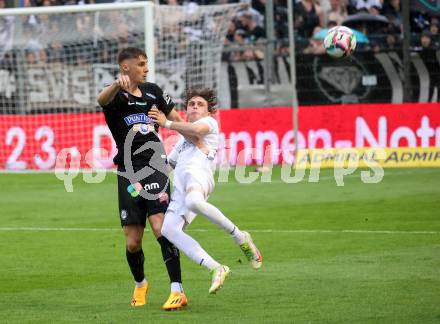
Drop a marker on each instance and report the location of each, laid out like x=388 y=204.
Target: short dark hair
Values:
x=130 y=53
x=206 y=93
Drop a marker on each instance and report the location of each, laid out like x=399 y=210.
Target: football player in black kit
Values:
x=143 y=183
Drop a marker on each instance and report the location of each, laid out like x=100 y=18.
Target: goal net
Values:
x=55 y=60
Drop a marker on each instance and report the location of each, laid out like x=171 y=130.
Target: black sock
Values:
x=171 y=257
x=136 y=263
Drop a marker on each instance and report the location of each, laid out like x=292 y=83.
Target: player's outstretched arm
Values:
x=184 y=128
x=173 y=115
x=108 y=93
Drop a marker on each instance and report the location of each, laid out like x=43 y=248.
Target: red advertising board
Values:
x=373 y=125
x=38 y=141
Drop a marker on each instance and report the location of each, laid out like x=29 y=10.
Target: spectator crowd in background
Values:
x=246 y=36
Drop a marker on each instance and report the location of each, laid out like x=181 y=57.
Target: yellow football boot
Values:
x=175 y=302
x=139 y=296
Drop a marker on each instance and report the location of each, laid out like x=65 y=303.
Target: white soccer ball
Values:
x=339 y=41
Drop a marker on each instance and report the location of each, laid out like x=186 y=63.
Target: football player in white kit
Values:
x=193 y=158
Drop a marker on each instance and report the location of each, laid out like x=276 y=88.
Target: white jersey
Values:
x=186 y=154
x=193 y=167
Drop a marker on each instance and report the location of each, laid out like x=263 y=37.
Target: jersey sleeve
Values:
x=164 y=101
x=211 y=122
x=116 y=102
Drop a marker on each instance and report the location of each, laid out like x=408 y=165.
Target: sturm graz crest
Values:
x=341 y=80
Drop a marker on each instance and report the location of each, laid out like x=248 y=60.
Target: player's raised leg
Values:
x=195 y=201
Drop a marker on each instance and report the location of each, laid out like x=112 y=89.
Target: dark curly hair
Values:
x=206 y=93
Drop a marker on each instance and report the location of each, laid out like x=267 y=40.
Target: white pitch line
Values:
x=86 y=229
x=56 y=229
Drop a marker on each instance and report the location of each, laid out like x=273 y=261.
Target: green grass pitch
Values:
x=361 y=253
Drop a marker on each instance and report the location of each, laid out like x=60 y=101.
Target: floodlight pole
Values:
x=149 y=40
x=293 y=76
x=268 y=57
x=407 y=93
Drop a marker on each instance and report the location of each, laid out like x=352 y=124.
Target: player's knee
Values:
x=167 y=230
x=157 y=228
x=193 y=202
x=134 y=244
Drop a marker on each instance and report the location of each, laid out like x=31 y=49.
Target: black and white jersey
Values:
x=127 y=113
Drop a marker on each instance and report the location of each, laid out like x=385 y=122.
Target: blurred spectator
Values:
x=229 y=41
x=281 y=30
x=337 y=13
x=371 y=6
x=6 y=32
x=307 y=17
x=254 y=32
x=249 y=53
x=256 y=16
x=425 y=40
x=391 y=42
x=55 y=50
x=418 y=22
x=239 y=39
x=230 y=33
x=248 y=28
x=84 y=23
x=281 y=22
x=260 y=6
x=435 y=35
x=35 y=53
x=392 y=10
x=374 y=46
x=331 y=24
x=434 y=27
x=316 y=46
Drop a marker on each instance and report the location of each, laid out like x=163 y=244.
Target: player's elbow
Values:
x=102 y=101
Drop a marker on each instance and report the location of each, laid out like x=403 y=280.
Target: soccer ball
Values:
x=339 y=41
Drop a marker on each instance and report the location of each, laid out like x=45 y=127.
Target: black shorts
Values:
x=139 y=200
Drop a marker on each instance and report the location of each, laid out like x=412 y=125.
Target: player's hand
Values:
x=123 y=82
x=157 y=116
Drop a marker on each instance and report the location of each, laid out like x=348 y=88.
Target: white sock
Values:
x=209 y=262
x=238 y=236
x=172 y=230
x=196 y=202
x=176 y=287
x=141 y=284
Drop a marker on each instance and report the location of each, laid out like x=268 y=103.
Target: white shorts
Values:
x=185 y=178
